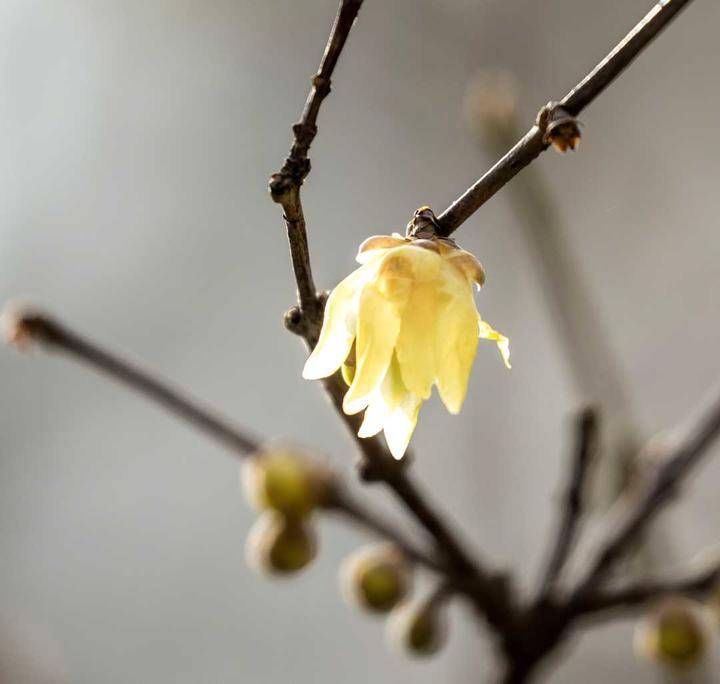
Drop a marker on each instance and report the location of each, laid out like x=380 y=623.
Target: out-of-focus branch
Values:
x=534 y=142
x=285 y=184
x=26 y=328
x=697 y=584
x=573 y=503
x=658 y=491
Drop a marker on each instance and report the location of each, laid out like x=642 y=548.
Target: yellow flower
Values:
x=409 y=315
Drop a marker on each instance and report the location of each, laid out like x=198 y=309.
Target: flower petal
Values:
x=400 y=425
x=338 y=329
x=487 y=333
x=416 y=342
x=456 y=340
x=378 y=325
x=377 y=244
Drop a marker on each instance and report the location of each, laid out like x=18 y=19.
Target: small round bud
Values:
x=285 y=481
x=418 y=629
x=376 y=578
x=562 y=130
x=675 y=635
x=280 y=545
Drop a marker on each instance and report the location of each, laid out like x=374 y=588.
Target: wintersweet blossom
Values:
x=404 y=321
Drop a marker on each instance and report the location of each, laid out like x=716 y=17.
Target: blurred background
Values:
x=137 y=140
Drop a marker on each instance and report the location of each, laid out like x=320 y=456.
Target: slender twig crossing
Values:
x=533 y=142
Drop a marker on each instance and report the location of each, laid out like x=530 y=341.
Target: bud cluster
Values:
x=379 y=580
x=286 y=487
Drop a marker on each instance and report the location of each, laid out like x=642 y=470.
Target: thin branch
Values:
x=533 y=143
x=306 y=320
x=26 y=328
x=344 y=504
x=285 y=185
x=659 y=490
x=698 y=584
x=573 y=503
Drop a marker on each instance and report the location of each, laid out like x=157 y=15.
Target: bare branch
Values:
x=573 y=504
x=637 y=595
x=533 y=143
x=306 y=320
x=285 y=185
x=31 y=326
x=25 y=328
x=659 y=490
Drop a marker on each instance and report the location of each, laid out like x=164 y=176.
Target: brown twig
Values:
x=533 y=143
x=659 y=490
x=698 y=584
x=306 y=319
x=285 y=184
x=26 y=328
x=573 y=504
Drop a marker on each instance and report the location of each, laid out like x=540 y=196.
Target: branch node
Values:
x=560 y=129
x=423 y=224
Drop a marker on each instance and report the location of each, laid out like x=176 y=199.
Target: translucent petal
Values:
x=416 y=342
x=468 y=265
x=376 y=245
x=487 y=333
x=456 y=340
x=378 y=325
x=400 y=425
x=338 y=329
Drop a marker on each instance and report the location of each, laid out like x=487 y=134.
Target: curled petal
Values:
x=375 y=244
x=468 y=265
x=486 y=332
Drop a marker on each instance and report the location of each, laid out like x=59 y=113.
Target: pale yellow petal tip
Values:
x=486 y=332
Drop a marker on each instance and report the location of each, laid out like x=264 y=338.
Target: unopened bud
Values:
x=285 y=481
x=562 y=130
x=675 y=635
x=418 y=628
x=280 y=545
x=376 y=578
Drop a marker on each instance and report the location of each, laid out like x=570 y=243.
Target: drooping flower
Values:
x=404 y=321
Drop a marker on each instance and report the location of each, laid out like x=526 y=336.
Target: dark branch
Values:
x=660 y=489
x=285 y=185
x=30 y=326
x=573 y=504
x=25 y=328
x=529 y=147
x=698 y=585
x=306 y=319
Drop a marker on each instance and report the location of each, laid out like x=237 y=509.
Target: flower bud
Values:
x=280 y=545
x=675 y=635
x=285 y=481
x=418 y=628
x=376 y=578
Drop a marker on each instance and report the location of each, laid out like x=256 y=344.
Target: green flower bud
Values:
x=675 y=635
x=280 y=545
x=376 y=578
x=285 y=481
x=418 y=629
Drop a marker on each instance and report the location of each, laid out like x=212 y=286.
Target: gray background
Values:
x=137 y=138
